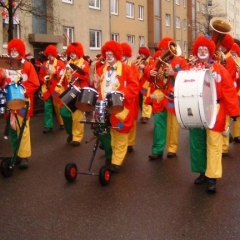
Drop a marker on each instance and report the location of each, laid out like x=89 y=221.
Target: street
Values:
x=145 y=200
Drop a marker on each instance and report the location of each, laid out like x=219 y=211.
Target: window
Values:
x=114 y=7
x=141 y=12
x=185 y=46
x=68 y=1
x=95 y=39
x=129 y=10
x=94 y=4
x=115 y=37
x=178 y=22
x=68 y=33
x=198 y=6
x=184 y=3
x=168 y=20
x=203 y=8
x=141 y=41
x=131 y=39
x=177 y=2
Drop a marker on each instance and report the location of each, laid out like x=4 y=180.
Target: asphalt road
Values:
x=146 y=200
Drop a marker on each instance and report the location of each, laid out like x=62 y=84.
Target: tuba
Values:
x=160 y=80
x=220 y=27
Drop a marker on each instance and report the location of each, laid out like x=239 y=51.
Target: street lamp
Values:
x=184 y=24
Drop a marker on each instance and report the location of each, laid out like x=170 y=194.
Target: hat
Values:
x=144 y=50
x=17 y=44
x=126 y=49
x=163 y=44
x=29 y=56
x=203 y=41
x=75 y=47
x=51 y=50
x=114 y=47
x=227 y=42
x=236 y=48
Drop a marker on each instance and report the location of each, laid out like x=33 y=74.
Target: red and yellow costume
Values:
x=125 y=82
x=49 y=76
x=72 y=124
x=29 y=80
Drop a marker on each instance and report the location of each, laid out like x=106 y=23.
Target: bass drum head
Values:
x=195 y=98
x=208 y=108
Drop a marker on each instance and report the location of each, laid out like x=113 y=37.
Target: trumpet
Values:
x=161 y=80
x=140 y=60
x=47 y=80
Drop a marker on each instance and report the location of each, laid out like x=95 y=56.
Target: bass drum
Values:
x=195 y=99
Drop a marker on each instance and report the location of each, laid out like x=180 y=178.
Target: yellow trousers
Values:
x=172 y=133
x=225 y=145
x=24 y=150
x=214 y=154
x=146 y=109
x=57 y=111
x=77 y=127
x=236 y=128
x=132 y=135
x=119 y=143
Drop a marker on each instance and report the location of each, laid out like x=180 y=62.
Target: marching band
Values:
x=113 y=92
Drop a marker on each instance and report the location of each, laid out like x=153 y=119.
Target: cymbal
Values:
x=77 y=69
x=10 y=63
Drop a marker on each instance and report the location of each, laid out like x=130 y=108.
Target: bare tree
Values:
x=32 y=7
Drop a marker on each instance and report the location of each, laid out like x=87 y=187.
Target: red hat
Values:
x=126 y=49
x=75 y=47
x=145 y=51
x=17 y=44
x=236 y=48
x=227 y=42
x=203 y=41
x=157 y=54
x=114 y=47
x=163 y=44
x=51 y=50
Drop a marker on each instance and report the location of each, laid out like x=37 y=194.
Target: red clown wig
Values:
x=145 y=51
x=163 y=44
x=126 y=49
x=206 y=42
x=75 y=47
x=51 y=50
x=113 y=47
x=236 y=49
x=157 y=54
x=227 y=42
x=17 y=44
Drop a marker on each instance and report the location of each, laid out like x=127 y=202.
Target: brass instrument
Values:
x=140 y=60
x=220 y=27
x=237 y=62
x=160 y=80
x=59 y=84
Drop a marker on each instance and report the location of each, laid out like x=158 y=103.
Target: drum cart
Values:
x=8 y=163
x=104 y=175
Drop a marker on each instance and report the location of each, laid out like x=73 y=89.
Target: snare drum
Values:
x=68 y=98
x=195 y=99
x=100 y=111
x=15 y=96
x=86 y=99
x=2 y=102
x=115 y=102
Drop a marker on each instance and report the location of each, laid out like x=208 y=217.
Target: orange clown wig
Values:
x=75 y=47
x=236 y=49
x=51 y=50
x=227 y=42
x=145 y=51
x=163 y=44
x=126 y=49
x=206 y=42
x=114 y=47
x=17 y=44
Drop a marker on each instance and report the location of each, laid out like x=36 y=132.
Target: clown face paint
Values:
x=110 y=58
x=14 y=53
x=203 y=53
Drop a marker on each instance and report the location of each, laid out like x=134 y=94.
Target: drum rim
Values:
x=89 y=88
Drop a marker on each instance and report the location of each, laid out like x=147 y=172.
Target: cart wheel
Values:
x=71 y=172
x=104 y=175
x=6 y=170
